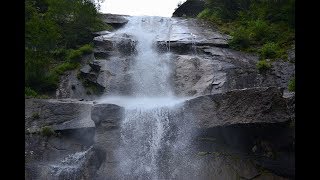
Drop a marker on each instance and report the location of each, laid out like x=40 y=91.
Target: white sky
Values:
x=163 y=8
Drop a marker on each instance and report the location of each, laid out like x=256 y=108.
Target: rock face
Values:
x=71 y=86
x=115 y=20
x=186 y=34
x=122 y=43
x=254 y=105
x=63 y=114
x=196 y=76
x=254 y=121
x=107 y=113
x=190 y=8
x=212 y=70
x=107 y=118
x=67 y=152
x=110 y=76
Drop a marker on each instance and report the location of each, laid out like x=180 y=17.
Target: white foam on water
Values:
x=142 y=102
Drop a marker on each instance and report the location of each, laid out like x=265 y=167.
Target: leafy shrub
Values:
x=258 y=29
x=210 y=15
x=60 y=69
x=228 y=9
x=240 y=39
x=60 y=53
x=35 y=116
x=292 y=84
x=47 y=131
x=205 y=14
x=269 y=50
x=101 y=26
x=74 y=55
x=50 y=82
x=28 y=92
x=86 y=49
x=263 y=65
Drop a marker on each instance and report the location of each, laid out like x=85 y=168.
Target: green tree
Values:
x=53 y=28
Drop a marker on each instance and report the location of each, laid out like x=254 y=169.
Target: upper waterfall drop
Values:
x=150 y=72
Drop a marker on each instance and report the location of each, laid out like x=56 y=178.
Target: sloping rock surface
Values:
x=246 y=106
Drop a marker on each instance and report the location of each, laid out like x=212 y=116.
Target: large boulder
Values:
x=122 y=43
x=60 y=114
x=110 y=114
x=115 y=20
x=96 y=74
x=109 y=76
x=190 y=8
x=107 y=118
x=254 y=121
x=195 y=76
x=245 y=106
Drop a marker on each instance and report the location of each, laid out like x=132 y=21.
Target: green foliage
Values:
x=101 y=26
x=60 y=54
x=74 y=55
x=255 y=26
x=269 y=51
x=228 y=9
x=37 y=71
x=240 y=39
x=52 y=27
x=211 y=16
x=50 y=82
x=61 y=68
x=28 y=92
x=263 y=65
x=47 y=131
x=35 y=116
x=86 y=49
x=41 y=32
x=292 y=84
x=258 y=29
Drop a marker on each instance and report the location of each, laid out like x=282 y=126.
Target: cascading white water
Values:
x=150 y=71
x=147 y=133
x=70 y=166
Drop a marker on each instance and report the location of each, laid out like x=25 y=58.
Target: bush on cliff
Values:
x=263 y=66
x=52 y=29
x=292 y=84
x=255 y=25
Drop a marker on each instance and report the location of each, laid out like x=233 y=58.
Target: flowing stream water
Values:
x=150 y=141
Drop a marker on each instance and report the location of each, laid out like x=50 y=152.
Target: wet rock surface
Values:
x=122 y=43
x=65 y=114
x=245 y=106
x=62 y=151
x=186 y=34
x=107 y=118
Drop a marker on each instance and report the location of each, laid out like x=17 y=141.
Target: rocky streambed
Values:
x=192 y=109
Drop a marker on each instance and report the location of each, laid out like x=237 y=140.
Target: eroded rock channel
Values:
x=173 y=102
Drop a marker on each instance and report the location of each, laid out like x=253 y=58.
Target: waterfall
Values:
x=151 y=140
